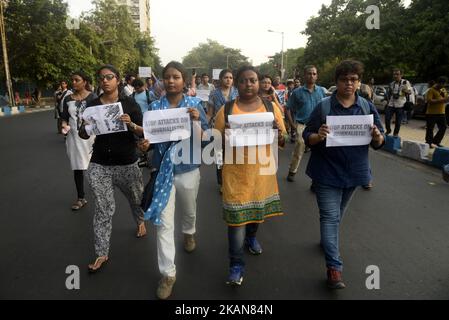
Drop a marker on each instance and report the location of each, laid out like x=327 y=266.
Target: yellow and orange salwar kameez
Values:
x=248 y=195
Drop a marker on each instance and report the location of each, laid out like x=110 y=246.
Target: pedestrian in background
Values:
x=398 y=91
x=301 y=104
x=436 y=98
x=224 y=93
x=78 y=150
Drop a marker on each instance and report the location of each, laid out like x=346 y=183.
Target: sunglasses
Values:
x=108 y=77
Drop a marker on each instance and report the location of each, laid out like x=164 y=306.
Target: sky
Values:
x=180 y=25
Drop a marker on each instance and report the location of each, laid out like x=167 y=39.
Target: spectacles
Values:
x=252 y=80
x=108 y=77
x=346 y=80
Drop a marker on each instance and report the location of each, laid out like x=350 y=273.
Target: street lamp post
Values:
x=282 y=52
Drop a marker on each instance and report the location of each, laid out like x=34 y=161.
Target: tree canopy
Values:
x=213 y=55
x=43 y=50
x=414 y=39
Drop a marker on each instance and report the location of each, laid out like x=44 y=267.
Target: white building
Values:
x=140 y=13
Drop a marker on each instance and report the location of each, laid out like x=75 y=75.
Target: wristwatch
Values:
x=133 y=125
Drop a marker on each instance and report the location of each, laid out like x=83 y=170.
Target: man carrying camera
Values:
x=399 y=91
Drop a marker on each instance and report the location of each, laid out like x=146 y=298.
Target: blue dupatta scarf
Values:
x=164 y=179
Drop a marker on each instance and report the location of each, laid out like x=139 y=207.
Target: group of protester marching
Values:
x=249 y=197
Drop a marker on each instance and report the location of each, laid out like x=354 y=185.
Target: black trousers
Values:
x=388 y=116
x=79 y=182
x=440 y=121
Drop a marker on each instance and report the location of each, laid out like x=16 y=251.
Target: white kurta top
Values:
x=79 y=150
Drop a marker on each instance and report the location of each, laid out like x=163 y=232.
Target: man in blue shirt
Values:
x=300 y=105
x=142 y=95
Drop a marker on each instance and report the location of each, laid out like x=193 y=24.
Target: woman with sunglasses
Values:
x=114 y=164
x=250 y=191
x=78 y=150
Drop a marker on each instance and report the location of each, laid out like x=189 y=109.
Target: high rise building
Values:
x=140 y=13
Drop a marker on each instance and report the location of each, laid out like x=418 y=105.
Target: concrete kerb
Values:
x=415 y=150
x=418 y=151
x=440 y=157
x=392 y=144
x=8 y=111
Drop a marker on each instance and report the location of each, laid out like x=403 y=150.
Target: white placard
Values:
x=251 y=129
x=203 y=94
x=349 y=130
x=104 y=119
x=166 y=125
x=216 y=74
x=144 y=72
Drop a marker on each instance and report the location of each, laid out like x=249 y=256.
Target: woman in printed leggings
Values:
x=114 y=164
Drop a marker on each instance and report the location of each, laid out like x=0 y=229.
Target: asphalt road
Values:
x=400 y=226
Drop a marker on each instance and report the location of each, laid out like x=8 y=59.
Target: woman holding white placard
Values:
x=337 y=171
x=250 y=195
x=114 y=164
x=174 y=182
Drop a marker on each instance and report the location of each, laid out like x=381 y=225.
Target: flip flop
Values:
x=98 y=264
x=79 y=204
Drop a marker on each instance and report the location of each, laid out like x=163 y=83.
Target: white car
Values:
x=380 y=97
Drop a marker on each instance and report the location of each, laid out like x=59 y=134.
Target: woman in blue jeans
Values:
x=337 y=171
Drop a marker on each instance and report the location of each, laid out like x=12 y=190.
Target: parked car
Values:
x=380 y=97
x=419 y=111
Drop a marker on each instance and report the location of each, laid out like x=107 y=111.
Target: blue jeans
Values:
x=332 y=203
x=236 y=238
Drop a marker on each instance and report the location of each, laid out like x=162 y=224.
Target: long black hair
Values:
x=85 y=77
x=115 y=71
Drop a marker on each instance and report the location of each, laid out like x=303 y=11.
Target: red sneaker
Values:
x=334 y=280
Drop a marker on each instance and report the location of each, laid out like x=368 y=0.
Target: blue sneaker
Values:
x=235 y=275
x=253 y=245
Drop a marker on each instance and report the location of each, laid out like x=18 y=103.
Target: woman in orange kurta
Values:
x=250 y=190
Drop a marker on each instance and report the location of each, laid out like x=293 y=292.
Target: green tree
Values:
x=429 y=48
x=291 y=58
x=41 y=49
x=339 y=32
x=212 y=55
x=117 y=41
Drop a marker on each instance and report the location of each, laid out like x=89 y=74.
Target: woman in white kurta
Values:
x=78 y=150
